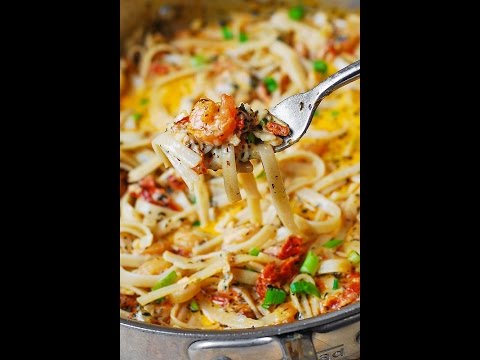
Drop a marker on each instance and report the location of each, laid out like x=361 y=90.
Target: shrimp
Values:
x=211 y=123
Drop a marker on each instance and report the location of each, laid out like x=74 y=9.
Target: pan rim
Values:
x=352 y=310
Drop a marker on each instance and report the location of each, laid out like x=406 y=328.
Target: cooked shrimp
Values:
x=211 y=123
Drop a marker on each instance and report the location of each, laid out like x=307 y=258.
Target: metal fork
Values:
x=297 y=111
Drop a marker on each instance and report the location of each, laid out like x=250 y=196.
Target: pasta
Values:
x=216 y=230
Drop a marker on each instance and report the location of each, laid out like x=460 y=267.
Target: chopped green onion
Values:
x=144 y=101
x=227 y=33
x=250 y=138
x=354 y=257
x=263 y=122
x=167 y=280
x=273 y=296
x=243 y=37
x=254 y=251
x=320 y=66
x=332 y=243
x=196 y=223
x=304 y=287
x=261 y=175
x=198 y=60
x=296 y=13
x=310 y=265
x=335 y=284
x=335 y=113
x=271 y=84
x=194 y=200
x=136 y=116
x=194 y=306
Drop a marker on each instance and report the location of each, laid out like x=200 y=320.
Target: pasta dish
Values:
x=217 y=231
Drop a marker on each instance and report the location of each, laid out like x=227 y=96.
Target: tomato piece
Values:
x=278 y=129
x=277 y=276
x=159 y=69
x=155 y=194
x=289 y=268
x=225 y=298
x=352 y=283
x=291 y=247
x=350 y=294
x=181 y=252
x=176 y=183
x=128 y=302
x=220 y=299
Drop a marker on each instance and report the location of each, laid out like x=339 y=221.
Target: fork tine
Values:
x=297 y=110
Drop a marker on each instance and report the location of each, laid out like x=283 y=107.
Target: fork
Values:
x=297 y=111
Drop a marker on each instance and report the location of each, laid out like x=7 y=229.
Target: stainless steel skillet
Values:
x=331 y=336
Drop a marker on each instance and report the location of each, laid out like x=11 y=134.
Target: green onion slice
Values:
x=273 y=296
x=227 y=33
x=320 y=66
x=243 y=37
x=296 y=13
x=198 y=60
x=332 y=243
x=136 y=116
x=194 y=306
x=261 y=175
x=304 y=287
x=271 y=84
x=167 y=280
x=335 y=284
x=354 y=257
x=254 y=251
x=310 y=265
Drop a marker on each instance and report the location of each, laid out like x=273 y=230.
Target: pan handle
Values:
x=334 y=341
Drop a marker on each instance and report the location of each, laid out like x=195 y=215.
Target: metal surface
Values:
x=331 y=336
x=298 y=110
x=342 y=343
x=151 y=342
x=270 y=347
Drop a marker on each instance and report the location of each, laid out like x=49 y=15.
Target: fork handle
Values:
x=336 y=81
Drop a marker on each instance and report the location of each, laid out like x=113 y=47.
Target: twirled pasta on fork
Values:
x=222 y=136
